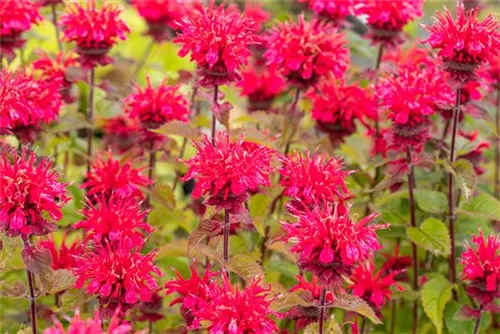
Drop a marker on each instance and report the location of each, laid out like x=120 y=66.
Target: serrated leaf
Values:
x=453 y=322
x=177 y=247
x=245 y=266
x=355 y=304
x=74 y=298
x=431 y=201
x=15 y=289
x=37 y=260
x=164 y=195
x=288 y=300
x=70 y=121
x=60 y=280
x=436 y=293
x=330 y=326
x=466 y=177
x=484 y=205
x=178 y=128
x=432 y=235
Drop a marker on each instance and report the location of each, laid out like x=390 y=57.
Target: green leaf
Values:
x=178 y=128
x=454 y=323
x=355 y=304
x=245 y=266
x=431 y=201
x=432 y=235
x=164 y=195
x=330 y=326
x=258 y=205
x=466 y=177
x=436 y=293
x=288 y=300
x=484 y=205
x=60 y=280
x=14 y=289
x=74 y=298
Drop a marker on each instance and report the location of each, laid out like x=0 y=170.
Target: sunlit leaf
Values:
x=436 y=293
x=432 y=235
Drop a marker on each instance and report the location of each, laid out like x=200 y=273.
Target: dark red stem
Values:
x=226 y=231
x=90 y=115
x=322 y=303
x=413 y=223
x=497 y=148
x=31 y=288
x=214 y=120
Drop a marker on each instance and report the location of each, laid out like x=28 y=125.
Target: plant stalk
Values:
x=214 y=120
x=90 y=116
x=56 y=27
x=477 y=324
x=322 y=303
x=142 y=60
x=226 y=231
x=31 y=288
x=497 y=148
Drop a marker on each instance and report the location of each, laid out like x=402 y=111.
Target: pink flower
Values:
x=225 y=173
x=45 y=3
x=334 y=11
x=95 y=31
x=330 y=244
x=155 y=107
x=219 y=43
x=31 y=197
x=482 y=268
x=18 y=16
x=121 y=134
x=396 y=263
x=108 y=177
x=77 y=325
x=464 y=43
x=311 y=180
x=490 y=73
x=63 y=257
x=306 y=51
x=232 y=310
x=387 y=18
x=110 y=221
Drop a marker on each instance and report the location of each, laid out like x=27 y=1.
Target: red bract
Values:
x=334 y=11
x=225 y=173
x=94 y=30
x=373 y=286
x=387 y=18
x=306 y=51
x=330 y=244
x=63 y=257
x=482 y=268
x=464 y=43
x=17 y=17
x=77 y=325
x=219 y=43
x=121 y=276
x=155 y=107
x=109 y=221
x=31 y=197
x=311 y=180
x=234 y=311
x=108 y=177
x=336 y=107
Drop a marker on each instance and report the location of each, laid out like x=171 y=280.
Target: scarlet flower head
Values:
x=307 y=51
x=226 y=172
x=63 y=257
x=18 y=16
x=387 y=18
x=482 y=268
x=330 y=244
x=311 y=180
x=233 y=310
x=219 y=42
x=465 y=42
x=155 y=107
x=121 y=134
x=335 y=11
x=373 y=286
x=394 y=262
x=109 y=176
x=94 y=30
x=31 y=197
x=490 y=73
x=109 y=221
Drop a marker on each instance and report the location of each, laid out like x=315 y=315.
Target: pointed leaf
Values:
x=484 y=205
x=466 y=177
x=355 y=304
x=288 y=300
x=60 y=280
x=178 y=128
x=245 y=266
x=452 y=319
x=15 y=289
x=37 y=260
x=436 y=293
x=432 y=235
x=431 y=201
x=330 y=326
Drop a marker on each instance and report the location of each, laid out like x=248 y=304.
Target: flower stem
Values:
x=393 y=316
x=54 y=21
x=90 y=115
x=293 y=110
x=363 y=326
x=322 y=310
x=451 y=205
x=152 y=160
x=31 y=288
x=413 y=223
x=226 y=231
x=497 y=148
x=142 y=60
x=477 y=324
x=214 y=120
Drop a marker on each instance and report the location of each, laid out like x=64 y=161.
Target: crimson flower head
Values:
x=155 y=107
x=219 y=41
x=394 y=262
x=229 y=309
x=94 y=30
x=310 y=180
x=109 y=176
x=465 y=42
x=306 y=51
x=109 y=221
x=482 y=268
x=226 y=172
x=330 y=244
x=31 y=197
x=18 y=16
x=387 y=18
x=121 y=134
x=63 y=257
x=121 y=276
x=334 y=11
x=373 y=286
x=93 y=325
x=490 y=73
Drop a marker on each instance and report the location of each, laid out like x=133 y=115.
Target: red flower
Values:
x=490 y=73
x=330 y=244
x=476 y=157
x=306 y=51
x=231 y=310
x=218 y=41
x=17 y=17
x=373 y=287
x=45 y=3
x=257 y=14
x=31 y=198
x=121 y=276
x=94 y=325
x=58 y=68
x=387 y=18
x=63 y=257
x=334 y=11
x=396 y=263
x=464 y=43
x=109 y=221
x=121 y=134
x=112 y=177
x=95 y=31
x=162 y=17
x=313 y=180
x=155 y=107
x=228 y=171
x=482 y=268
x=336 y=107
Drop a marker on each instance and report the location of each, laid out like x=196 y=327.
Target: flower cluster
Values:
x=63 y=257
x=93 y=325
x=306 y=51
x=122 y=133
x=31 y=197
x=334 y=11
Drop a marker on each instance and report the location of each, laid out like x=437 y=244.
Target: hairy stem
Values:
x=90 y=116
x=322 y=310
x=31 y=288
x=413 y=223
x=226 y=231
x=477 y=324
x=214 y=120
